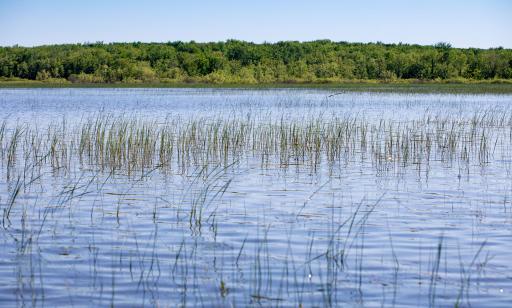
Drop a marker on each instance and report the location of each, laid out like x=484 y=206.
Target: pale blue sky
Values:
x=463 y=23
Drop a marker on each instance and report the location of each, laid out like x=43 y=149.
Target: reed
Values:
x=132 y=145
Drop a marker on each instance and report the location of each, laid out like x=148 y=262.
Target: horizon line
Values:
x=400 y=43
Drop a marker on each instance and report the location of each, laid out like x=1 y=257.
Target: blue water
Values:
x=347 y=234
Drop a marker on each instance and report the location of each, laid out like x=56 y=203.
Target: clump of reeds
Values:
x=132 y=145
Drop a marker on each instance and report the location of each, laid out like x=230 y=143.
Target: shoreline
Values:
x=400 y=87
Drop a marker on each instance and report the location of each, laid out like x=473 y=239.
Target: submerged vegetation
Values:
x=238 y=62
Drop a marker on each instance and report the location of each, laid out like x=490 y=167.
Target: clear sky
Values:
x=463 y=23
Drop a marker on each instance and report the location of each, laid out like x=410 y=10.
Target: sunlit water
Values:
x=265 y=235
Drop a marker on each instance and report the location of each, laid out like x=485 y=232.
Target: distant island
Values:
x=239 y=62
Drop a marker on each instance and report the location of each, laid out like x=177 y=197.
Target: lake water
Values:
x=261 y=198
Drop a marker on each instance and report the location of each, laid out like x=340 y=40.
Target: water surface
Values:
x=254 y=229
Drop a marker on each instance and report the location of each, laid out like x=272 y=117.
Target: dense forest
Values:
x=243 y=62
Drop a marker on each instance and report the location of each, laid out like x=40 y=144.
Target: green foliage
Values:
x=243 y=62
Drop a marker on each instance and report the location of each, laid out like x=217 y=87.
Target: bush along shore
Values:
x=238 y=62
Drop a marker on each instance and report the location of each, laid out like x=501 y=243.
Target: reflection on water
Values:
x=202 y=197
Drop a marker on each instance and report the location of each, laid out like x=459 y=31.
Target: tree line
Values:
x=236 y=61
